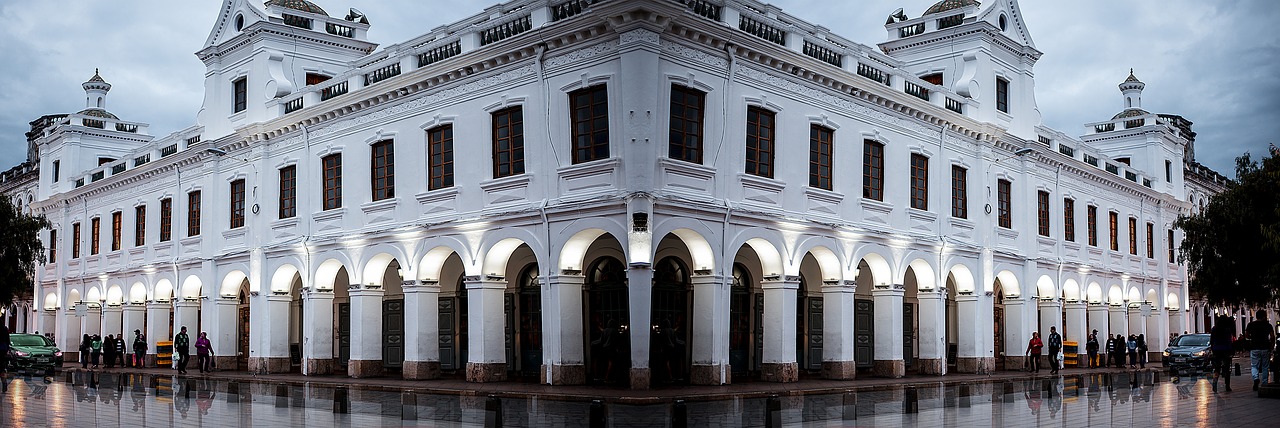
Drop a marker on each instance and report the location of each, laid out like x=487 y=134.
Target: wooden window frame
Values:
x=1002 y=94
x=239 y=94
x=1151 y=237
x=589 y=123
x=1042 y=212
x=117 y=230
x=821 y=147
x=166 y=219
x=382 y=164
x=193 y=213
x=139 y=225
x=508 y=141
x=1172 y=250
x=1069 y=219
x=440 y=157
x=1114 y=218
x=75 y=240
x=873 y=170
x=919 y=181
x=959 y=192
x=1092 y=224
x=95 y=238
x=237 y=196
x=331 y=181
x=288 y=204
x=1133 y=236
x=53 y=245
x=761 y=141
x=1004 y=203
x=685 y=141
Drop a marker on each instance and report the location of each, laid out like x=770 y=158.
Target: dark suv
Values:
x=1188 y=351
x=33 y=352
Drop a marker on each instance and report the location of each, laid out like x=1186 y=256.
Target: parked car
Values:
x=33 y=352
x=1188 y=351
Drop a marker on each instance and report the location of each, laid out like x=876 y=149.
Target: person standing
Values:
x=121 y=353
x=1111 y=354
x=1117 y=349
x=1055 y=346
x=4 y=356
x=1092 y=348
x=139 y=349
x=95 y=349
x=86 y=346
x=1261 y=338
x=109 y=351
x=203 y=350
x=1132 y=344
x=1220 y=343
x=1142 y=350
x=182 y=346
x=1034 y=346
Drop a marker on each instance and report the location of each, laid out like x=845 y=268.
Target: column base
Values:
x=779 y=372
x=226 y=363
x=930 y=366
x=486 y=372
x=364 y=368
x=151 y=361
x=566 y=374
x=1016 y=363
x=1154 y=357
x=839 y=370
x=889 y=368
x=710 y=374
x=640 y=378
x=421 y=370
x=269 y=364
x=976 y=365
x=319 y=366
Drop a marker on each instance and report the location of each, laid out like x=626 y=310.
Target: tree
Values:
x=20 y=250
x=1232 y=246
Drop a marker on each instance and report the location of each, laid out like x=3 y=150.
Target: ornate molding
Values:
x=583 y=54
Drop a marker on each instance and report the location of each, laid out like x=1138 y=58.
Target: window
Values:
x=166 y=219
x=53 y=246
x=1133 y=236
x=289 y=191
x=590 y=110
x=1042 y=212
x=508 y=142
x=193 y=213
x=95 y=231
x=687 y=105
x=959 y=192
x=1168 y=171
x=820 y=145
x=117 y=226
x=75 y=240
x=872 y=170
x=237 y=204
x=1004 y=190
x=140 y=225
x=239 y=94
x=57 y=170
x=1092 y=225
x=759 y=142
x=1069 y=219
x=440 y=147
x=919 y=182
x=331 y=180
x=1115 y=231
x=1002 y=95
x=384 y=171
x=316 y=78
x=1151 y=241
x=935 y=78
x=1171 y=260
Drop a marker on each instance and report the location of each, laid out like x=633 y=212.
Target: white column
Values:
x=1137 y=325
x=112 y=320
x=157 y=327
x=1177 y=321
x=48 y=321
x=779 y=360
x=486 y=330
x=91 y=323
x=888 y=360
x=133 y=318
x=710 y=339
x=1050 y=312
x=1017 y=332
x=1077 y=330
x=1098 y=321
x=838 y=339
x=366 y=331
x=270 y=354
x=421 y=330
x=971 y=355
x=186 y=313
x=317 y=341
x=933 y=328
x=223 y=331
x=1119 y=322
x=562 y=330
x=640 y=299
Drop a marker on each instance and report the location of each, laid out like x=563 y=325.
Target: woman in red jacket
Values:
x=1033 y=350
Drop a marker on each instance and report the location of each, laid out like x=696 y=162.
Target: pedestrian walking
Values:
x=4 y=356
x=1092 y=348
x=1034 y=346
x=1261 y=338
x=1055 y=347
x=1132 y=345
x=95 y=350
x=139 y=349
x=1142 y=350
x=203 y=352
x=1110 y=356
x=109 y=351
x=86 y=346
x=121 y=354
x=182 y=346
x=1221 y=339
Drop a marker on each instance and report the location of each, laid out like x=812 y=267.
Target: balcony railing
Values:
x=436 y=55
x=1105 y=127
x=950 y=21
x=1131 y=176
x=1091 y=160
x=822 y=54
x=126 y=127
x=94 y=123
x=1044 y=140
x=955 y=105
x=97 y=176
x=1067 y=150
x=293 y=105
x=762 y=30
x=193 y=139
x=570 y=8
x=1134 y=123
x=117 y=168
x=381 y=74
x=339 y=30
x=916 y=90
x=506 y=30
x=296 y=21
x=141 y=160
x=703 y=8
x=168 y=150
x=910 y=30
x=1112 y=168
x=873 y=73
x=333 y=91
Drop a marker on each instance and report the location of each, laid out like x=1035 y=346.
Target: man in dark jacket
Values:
x=182 y=346
x=1261 y=338
x=1055 y=347
x=1092 y=348
x=1111 y=346
x=4 y=354
x=139 y=349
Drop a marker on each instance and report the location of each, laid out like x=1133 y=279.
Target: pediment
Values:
x=1015 y=27
x=225 y=27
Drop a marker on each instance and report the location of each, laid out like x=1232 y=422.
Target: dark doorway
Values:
x=741 y=335
x=344 y=333
x=608 y=316
x=669 y=350
x=908 y=334
x=864 y=332
x=393 y=334
x=242 y=332
x=529 y=326
x=448 y=327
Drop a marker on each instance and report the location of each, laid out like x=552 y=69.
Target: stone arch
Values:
x=374 y=270
x=879 y=266
x=700 y=252
x=1172 y=302
x=925 y=278
x=828 y=263
x=1071 y=290
x=496 y=256
x=1094 y=293
x=51 y=301
x=963 y=278
x=432 y=263
x=574 y=253
x=696 y=236
x=231 y=283
x=138 y=293
x=1115 y=295
x=282 y=279
x=192 y=288
x=1045 y=288
x=73 y=297
x=163 y=291
x=115 y=294
x=1134 y=295
x=93 y=296
x=1153 y=296
x=1009 y=284
x=326 y=275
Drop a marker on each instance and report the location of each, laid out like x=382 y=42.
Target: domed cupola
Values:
x=95 y=102
x=946 y=5
x=302 y=5
x=1132 y=90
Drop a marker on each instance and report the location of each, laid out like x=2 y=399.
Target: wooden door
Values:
x=393 y=333
x=864 y=332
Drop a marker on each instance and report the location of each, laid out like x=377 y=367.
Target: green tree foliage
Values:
x=20 y=250
x=1232 y=246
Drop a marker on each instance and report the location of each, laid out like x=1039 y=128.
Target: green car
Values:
x=33 y=352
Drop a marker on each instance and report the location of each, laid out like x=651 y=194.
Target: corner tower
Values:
x=981 y=52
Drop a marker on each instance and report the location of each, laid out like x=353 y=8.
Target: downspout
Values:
x=550 y=264
x=728 y=207
x=941 y=275
x=306 y=254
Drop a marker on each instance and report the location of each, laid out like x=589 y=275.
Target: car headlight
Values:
x=21 y=354
x=1203 y=353
x=57 y=354
x=1166 y=353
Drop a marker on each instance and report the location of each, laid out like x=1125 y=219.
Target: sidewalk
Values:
x=749 y=389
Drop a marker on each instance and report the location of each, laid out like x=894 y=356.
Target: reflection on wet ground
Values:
x=135 y=400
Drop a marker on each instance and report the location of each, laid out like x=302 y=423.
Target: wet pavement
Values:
x=158 y=398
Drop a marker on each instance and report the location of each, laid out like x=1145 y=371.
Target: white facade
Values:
x=628 y=262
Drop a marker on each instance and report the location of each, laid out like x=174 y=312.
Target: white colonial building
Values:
x=607 y=191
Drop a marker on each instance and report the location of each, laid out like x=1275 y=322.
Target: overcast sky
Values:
x=1213 y=62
